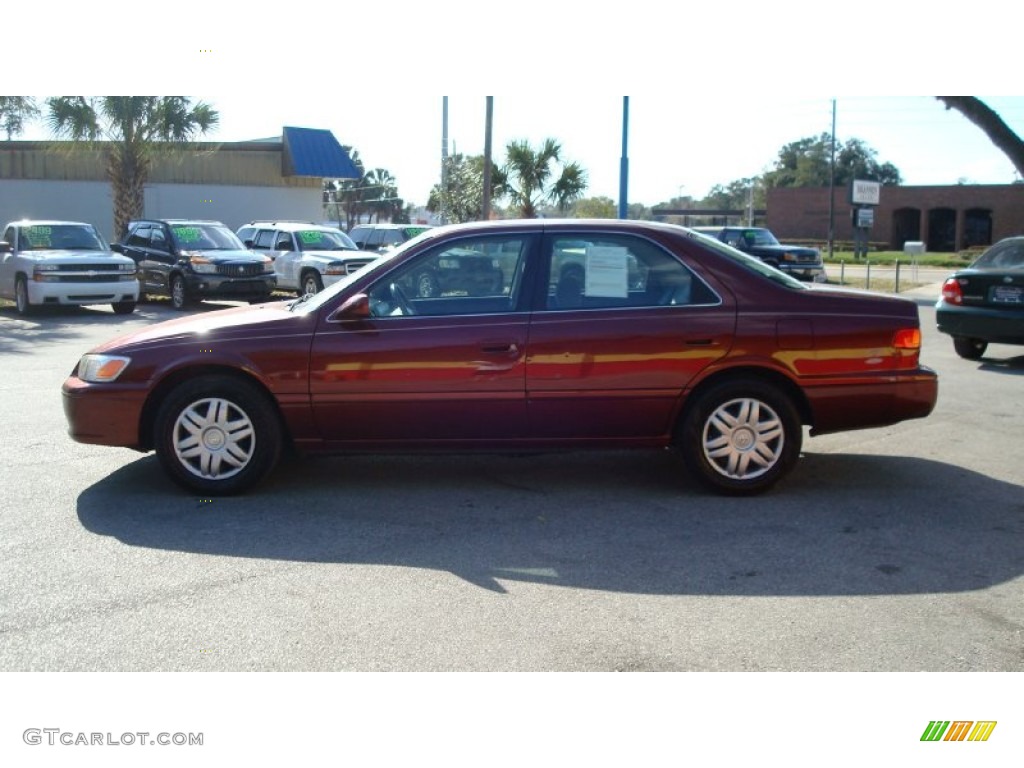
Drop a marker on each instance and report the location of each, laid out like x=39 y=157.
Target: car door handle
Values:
x=500 y=348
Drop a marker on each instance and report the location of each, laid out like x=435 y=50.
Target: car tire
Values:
x=179 y=293
x=427 y=286
x=969 y=349
x=311 y=282
x=217 y=435
x=740 y=437
x=21 y=300
x=123 y=307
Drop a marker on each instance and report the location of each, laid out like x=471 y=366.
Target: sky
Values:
x=701 y=112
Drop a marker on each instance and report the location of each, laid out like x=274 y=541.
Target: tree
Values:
x=806 y=163
x=135 y=129
x=462 y=197
x=595 y=208
x=983 y=116
x=15 y=111
x=530 y=171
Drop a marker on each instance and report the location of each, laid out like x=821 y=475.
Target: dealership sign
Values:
x=865 y=192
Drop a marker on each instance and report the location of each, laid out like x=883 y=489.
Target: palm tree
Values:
x=529 y=172
x=135 y=129
x=381 y=193
x=15 y=111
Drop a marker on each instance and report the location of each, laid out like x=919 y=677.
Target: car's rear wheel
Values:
x=311 y=282
x=740 y=437
x=123 y=307
x=217 y=435
x=21 y=302
x=969 y=349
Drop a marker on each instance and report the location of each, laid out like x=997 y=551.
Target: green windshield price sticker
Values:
x=311 y=237
x=38 y=236
x=188 y=234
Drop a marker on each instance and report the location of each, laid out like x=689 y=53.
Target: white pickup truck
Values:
x=47 y=263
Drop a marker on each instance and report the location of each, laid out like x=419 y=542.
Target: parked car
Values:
x=306 y=256
x=712 y=353
x=984 y=303
x=797 y=261
x=46 y=263
x=383 y=237
x=191 y=260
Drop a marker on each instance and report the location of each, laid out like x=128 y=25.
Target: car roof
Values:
x=291 y=226
x=177 y=221
x=36 y=222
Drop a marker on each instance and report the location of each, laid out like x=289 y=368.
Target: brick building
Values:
x=945 y=218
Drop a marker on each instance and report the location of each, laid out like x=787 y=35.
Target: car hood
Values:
x=209 y=326
x=63 y=256
x=780 y=249
x=220 y=257
x=340 y=255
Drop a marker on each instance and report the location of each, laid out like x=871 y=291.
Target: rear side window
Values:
x=608 y=271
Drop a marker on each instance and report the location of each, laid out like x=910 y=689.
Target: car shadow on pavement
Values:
x=1011 y=365
x=625 y=522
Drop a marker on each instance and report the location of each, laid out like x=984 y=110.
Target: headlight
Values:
x=98 y=369
x=268 y=265
x=202 y=265
x=335 y=268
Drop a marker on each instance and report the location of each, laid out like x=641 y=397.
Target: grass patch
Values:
x=889 y=259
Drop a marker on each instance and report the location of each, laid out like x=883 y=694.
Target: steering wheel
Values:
x=401 y=299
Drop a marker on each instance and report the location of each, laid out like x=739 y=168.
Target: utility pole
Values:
x=444 y=159
x=488 y=125
x=832 y=186
x=624 y=163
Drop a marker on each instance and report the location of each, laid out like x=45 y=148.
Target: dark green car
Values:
x=984 y=303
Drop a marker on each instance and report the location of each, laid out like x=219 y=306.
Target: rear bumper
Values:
x=998 y=326
x=876 y=403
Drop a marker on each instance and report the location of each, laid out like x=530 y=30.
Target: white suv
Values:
x=63 y=263
x=306 y=256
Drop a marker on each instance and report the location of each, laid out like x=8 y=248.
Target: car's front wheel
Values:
x=740 y=437
x=217 y=435
x=311 y=282
x=179 y=292
x=969 y=349
x=21 y=302
x=123 y=307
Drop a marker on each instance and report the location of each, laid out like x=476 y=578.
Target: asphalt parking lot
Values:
x=896 y=549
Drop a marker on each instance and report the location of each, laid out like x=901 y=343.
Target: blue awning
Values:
x=315 y=152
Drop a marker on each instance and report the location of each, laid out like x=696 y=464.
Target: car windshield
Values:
x=1009 y=255
x=205 y=237
x=324 y=240
x=750 y=263
x=759 y=237
x=413 y=231
x=70 y=237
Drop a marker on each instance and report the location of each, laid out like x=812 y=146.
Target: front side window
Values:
x=474 y=276
x=608 y=271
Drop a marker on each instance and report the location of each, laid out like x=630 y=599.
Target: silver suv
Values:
x=306 y=256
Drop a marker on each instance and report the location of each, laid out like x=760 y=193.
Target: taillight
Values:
x=951 y=291
x=907 y=338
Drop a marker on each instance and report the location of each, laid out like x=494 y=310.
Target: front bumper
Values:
x=220 y=286
x=105 y=414
x=81 y=294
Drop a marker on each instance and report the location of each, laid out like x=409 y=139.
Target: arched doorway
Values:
x=906 y=225
x=977 y=227
x=941 y=230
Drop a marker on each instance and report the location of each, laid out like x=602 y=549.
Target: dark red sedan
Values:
x=599 y=334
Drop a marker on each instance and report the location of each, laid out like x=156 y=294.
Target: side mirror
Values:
x=247 y=243
x=117 y=248
x=355 y=307
x=6 y=247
